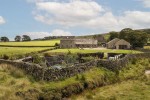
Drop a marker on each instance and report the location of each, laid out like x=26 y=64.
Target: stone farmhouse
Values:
x=118 y=44
x=71 y=42
x=100 y=38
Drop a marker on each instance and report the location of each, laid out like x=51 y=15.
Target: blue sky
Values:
x=39 y=18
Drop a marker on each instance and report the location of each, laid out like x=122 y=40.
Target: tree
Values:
x=113 y=35
x=125 y=33
x=4 y=39
x=18 y=38
x=26 y=38
x=136 y=38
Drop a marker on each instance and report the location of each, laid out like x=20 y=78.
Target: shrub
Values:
x=134 y=61
x=69 y=52
x=6 y=57
x=46 y=54
x=57 y=44
x=37 y=59
x=83 y=78
x=77 y=77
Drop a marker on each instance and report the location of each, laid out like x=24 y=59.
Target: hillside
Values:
x=15 y=84
x=106 y=35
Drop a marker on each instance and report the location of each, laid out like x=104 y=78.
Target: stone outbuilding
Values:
x=78 y=43
x=118 y=44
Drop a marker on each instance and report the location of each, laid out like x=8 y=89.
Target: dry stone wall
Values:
x=55 y=74
x=118 y=64
x=31 y=69
x=41 y=73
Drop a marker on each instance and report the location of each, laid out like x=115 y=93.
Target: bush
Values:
x=83 y=78
x=6 y=57
x=77 y=77
x=134 y=61
x=37 y=59
x=69 y=52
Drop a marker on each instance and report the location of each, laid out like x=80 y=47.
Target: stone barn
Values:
x=118 y=44
x=78 y=43
x=86 y=43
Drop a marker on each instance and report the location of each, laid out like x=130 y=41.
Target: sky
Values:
x=40 y=18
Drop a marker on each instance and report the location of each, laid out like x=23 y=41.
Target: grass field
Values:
x=135 y=85
x=32 y=43
x=18 y=51
x=127 y=90
x=92 y=51
x=13 y=80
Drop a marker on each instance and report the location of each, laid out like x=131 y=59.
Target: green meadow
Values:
x=15 y=52
x=32 y=43
x=92 y=51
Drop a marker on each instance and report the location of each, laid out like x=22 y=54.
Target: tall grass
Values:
x=132 y=84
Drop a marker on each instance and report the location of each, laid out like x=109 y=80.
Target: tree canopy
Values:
x=113 y=35
x=137 y=38
x=26 y=38
x=18 y=38
x=4 y=39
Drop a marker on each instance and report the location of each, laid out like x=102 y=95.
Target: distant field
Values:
x=31 y=43
x=18 y=51
x=92 y=51
x=147 y=47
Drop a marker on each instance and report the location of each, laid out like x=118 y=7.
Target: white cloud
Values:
x=2 y=20
x=56 y=32
x=88 y=14
x=59 y=32
x=135 y=19
x=35 y=35
x=146 y=3
x=67 y=13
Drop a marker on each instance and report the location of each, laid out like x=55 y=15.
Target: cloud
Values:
x=2 y=20
x=146 y=3
x=59 y=32
x=67 y=13
x=88 y=14
x=35 y=35
x=135 y=19
x=56 y=32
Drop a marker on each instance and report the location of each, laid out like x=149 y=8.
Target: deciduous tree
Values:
x=26 y=38
x=4 y=39
x=18 y=38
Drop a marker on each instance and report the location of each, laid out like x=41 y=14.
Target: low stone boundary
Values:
x=41 y=73
x=55 y=74
x=118 y=64
x=31 y=69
